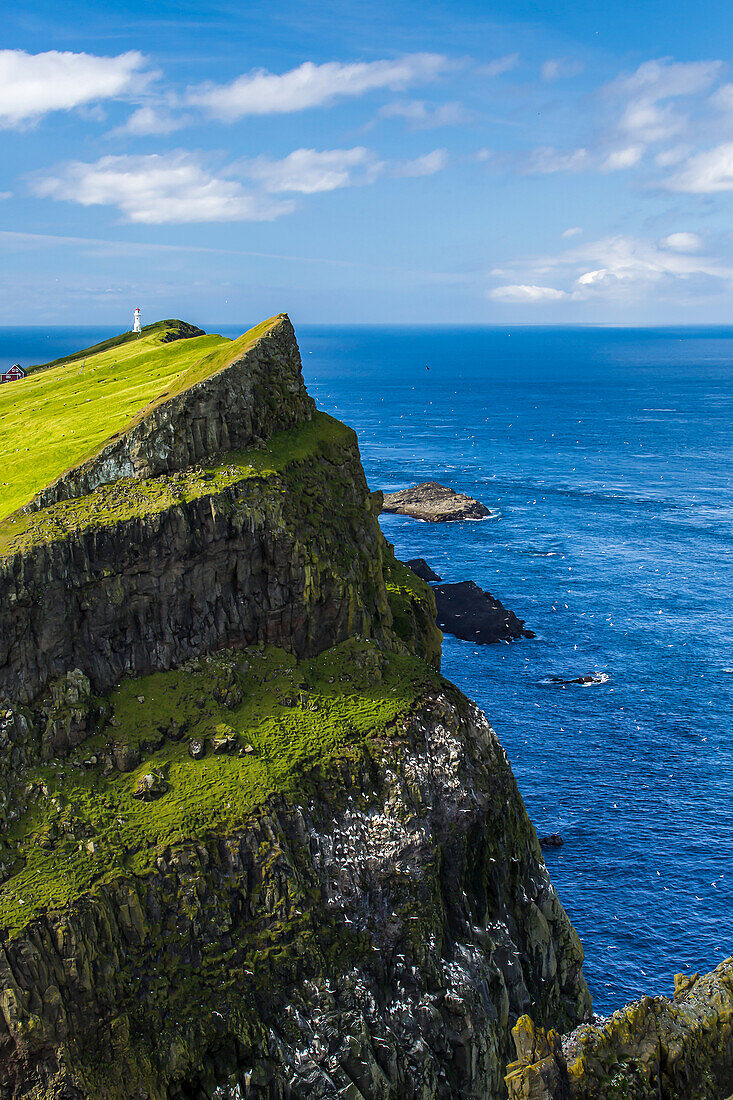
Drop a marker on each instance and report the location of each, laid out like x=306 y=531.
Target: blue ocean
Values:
x=606 y=456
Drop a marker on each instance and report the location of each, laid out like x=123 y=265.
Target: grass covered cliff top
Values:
x=64 y=414
x=129 y=498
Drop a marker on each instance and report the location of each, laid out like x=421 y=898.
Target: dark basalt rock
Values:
x=421 y=568
x=435 y=503
x=152 y=591
x=552 y=840
x=308 y=924
x=126 y=757
x=467 y=611
x=584 y=681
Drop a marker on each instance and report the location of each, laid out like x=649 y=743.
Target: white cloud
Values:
x=158 y=189
x=573 y=231
x=723 y=98
x=648 y=116
x=546 y=159
x=526 y=293
x=499 y=65
x=426 y=165
x=663 y=79
x=706 y=173
x=152 y=120
x=31 y=85
x=557 y=68
x=261 y=92
x=422 y=117
x=682 y=242
x=666 y=158
x=308 y=171
x=620 y=267
x=5 y=195
x=636 y=261
x=619 y=159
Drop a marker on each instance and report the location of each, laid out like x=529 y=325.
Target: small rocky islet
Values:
x=253 y=846
x=434 y=503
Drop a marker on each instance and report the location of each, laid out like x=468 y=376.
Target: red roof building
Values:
x=13 y=375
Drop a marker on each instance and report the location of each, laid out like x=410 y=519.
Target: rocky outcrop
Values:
x=434 y=503
x=464 y=610
x=256 y=391
x=378 y=941
x=468 y=612
x=422 y=570
x=141 y=576
x=654 y=1049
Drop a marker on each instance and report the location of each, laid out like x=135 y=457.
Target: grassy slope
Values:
x=129 y=497
x=168 y=330
x=84 y=827
x=59 y=417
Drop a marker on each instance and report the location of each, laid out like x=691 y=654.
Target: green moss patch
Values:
x=59 y=417
x=292 y=723
x=413 y=609
x=129 y=498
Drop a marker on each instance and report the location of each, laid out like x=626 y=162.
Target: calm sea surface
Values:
x=608 y=456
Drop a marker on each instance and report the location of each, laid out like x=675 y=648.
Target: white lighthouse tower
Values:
x=136 y=323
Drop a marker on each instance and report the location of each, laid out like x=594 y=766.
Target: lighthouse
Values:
x=136 y=323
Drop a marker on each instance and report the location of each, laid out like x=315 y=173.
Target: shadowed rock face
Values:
x=434 y=503
x=293 y=560
x=474 y=615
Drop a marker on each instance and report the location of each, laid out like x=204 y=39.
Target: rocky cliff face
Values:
x=254 y=845
x=376 y=941
x=280 y=546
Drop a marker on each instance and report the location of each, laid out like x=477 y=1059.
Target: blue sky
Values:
x=408 y=162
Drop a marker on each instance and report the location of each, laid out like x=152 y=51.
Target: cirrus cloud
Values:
x=705 y=173
x=419 y=116
x=309 y=171
x=651 y=114
x=618 y=268
x=261 y=92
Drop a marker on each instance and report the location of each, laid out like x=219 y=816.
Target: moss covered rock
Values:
x=654 y=1049
x=375 y=917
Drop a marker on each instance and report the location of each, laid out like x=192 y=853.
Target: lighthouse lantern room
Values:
x=136 y=323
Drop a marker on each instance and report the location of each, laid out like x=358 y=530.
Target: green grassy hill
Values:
x=62 y=415
x=168 y=331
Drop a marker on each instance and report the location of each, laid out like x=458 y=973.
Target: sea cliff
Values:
x=254 y=844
